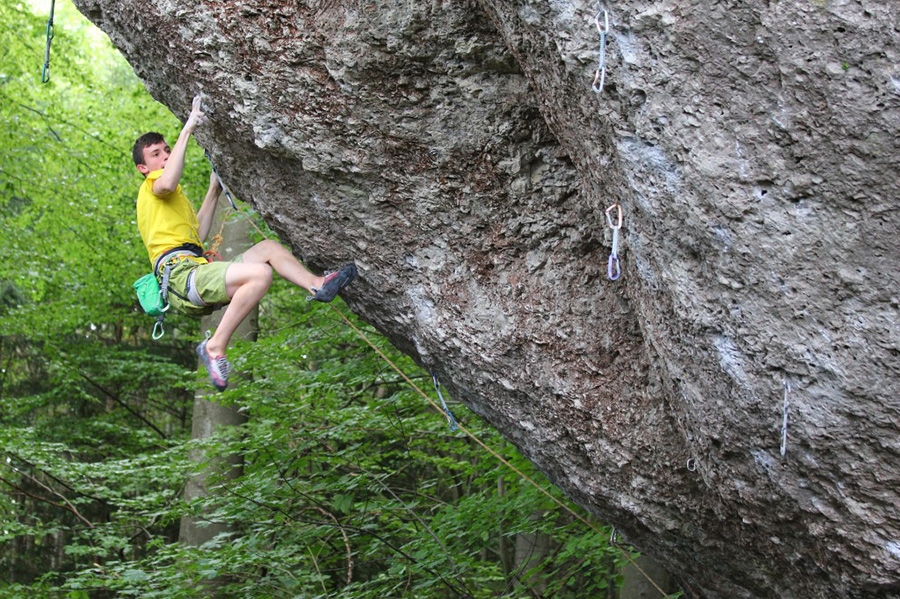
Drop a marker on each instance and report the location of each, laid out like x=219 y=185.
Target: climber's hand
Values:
x=215 y=186
x=197 y=116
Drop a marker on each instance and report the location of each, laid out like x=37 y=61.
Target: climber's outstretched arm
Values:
x=174 y=168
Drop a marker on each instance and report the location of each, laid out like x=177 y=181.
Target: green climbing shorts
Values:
x=197 y=287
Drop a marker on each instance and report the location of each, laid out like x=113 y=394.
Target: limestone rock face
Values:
x=456 y=151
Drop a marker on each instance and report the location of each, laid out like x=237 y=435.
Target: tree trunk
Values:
x=210 y=417
x=531 y=549
x=643 y=583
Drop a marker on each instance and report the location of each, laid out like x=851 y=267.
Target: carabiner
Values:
x=609 y=219
x=600 y=76
x=613 y=268
x=605 y=29
x=165 y=299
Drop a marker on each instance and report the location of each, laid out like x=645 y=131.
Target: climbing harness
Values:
x=153 y=289
x=447 y=413
x=45 y=73
x=603 y=29
x=784 y=418
x=613 y=268
x=224 y=187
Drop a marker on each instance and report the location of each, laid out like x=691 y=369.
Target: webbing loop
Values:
x=164 y=284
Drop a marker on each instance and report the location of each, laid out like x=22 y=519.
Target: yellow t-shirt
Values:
x=165 y=222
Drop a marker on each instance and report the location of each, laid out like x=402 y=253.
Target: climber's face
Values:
x=155 y=157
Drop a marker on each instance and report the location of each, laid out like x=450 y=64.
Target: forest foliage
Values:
x=352 y=484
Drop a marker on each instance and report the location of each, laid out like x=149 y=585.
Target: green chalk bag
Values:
x=148 y=292
x=152 y=301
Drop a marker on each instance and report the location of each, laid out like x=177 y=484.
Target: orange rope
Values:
x=469 y=433
x=492 y=452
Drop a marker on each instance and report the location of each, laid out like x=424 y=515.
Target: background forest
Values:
x=352 y=484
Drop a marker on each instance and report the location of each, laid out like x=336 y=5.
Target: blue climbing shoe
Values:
x=216 y=367
x=334 y=282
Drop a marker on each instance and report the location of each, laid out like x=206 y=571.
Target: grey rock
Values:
x=456 y=152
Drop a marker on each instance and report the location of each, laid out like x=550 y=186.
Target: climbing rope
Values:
x=224 y=187
x=492 y=452
x=212 y=254
x=45 y=73
x=613 y=267
x=217 y=239
x=444 y=410
x=603 y=29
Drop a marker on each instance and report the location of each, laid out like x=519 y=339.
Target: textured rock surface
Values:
x=455 y=150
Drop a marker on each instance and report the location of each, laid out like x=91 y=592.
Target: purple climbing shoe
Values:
x=216 y=367
x=334 y=282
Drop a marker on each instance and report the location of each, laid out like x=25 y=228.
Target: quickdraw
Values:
x=600 y=76
x=613 y=267
x=447 y=413
x=45 y=73
x=784 y=417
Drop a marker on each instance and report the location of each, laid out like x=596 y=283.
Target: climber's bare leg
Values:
x=285 y=264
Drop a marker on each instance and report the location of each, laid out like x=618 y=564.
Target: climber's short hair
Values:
x=145 y=140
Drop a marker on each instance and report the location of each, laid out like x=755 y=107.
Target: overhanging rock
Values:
x=456 y=152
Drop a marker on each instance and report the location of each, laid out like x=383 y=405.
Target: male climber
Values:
x=172 y=232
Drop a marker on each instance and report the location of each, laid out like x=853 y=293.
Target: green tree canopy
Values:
x=67 y=183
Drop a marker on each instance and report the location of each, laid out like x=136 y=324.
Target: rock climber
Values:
x=173 y=232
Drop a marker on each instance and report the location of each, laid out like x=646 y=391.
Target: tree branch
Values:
x=122 y=403
x=67 y=506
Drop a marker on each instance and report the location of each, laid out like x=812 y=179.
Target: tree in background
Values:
x=80 y=384
x=352 y=486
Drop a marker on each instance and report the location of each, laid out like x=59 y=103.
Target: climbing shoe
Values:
x=334 y=282
x=216 y=367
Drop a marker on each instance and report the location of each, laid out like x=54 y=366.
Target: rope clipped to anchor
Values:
x=222 y=183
